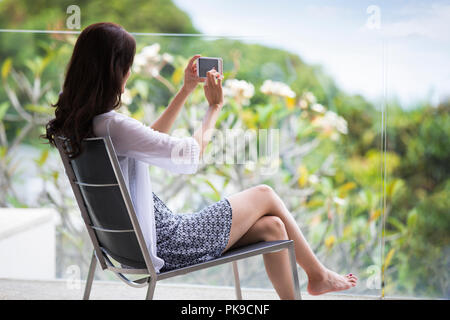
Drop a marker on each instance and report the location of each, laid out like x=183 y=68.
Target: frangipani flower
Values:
x=331 y=120
x=240 y=90
x=277 y=88
x=308 y=99
x=167 y=57
x=303 y=103
x=151 y=53
x=149 y=60
x=317 y=107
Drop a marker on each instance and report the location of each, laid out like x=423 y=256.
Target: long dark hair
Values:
x=101 y=59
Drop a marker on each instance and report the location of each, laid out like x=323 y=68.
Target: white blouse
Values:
x=138 y=146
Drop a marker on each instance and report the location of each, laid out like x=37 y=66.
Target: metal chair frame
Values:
x=150 y=278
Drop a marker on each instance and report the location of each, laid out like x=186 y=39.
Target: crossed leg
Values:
x=260 y=215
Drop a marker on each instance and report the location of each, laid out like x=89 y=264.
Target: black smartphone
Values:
x=204 y=64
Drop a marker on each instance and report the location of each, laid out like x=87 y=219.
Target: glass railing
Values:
x=364 y=178
x=416 y=184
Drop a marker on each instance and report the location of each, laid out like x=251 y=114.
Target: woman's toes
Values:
x=351 y=279
x=351 y=276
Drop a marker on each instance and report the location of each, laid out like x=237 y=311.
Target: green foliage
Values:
x=136 y=16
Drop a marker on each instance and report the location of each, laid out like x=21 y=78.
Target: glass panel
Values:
x=363 y=167
x=315 y=145
x=417 y=186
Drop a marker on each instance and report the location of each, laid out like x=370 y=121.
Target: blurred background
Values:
x=359 y=93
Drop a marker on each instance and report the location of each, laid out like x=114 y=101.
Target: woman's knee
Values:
x=273 y=229
x=264 y=189
x=265 y=193
x=267 y=198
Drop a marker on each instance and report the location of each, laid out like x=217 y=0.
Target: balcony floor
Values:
x=12 y=289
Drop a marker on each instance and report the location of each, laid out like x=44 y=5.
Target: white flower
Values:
x=240 y=90
x=331 y=119
x=151 y=52
x=149 y=60
x=309 y=96
x=277 y=88
x=341 y=125
x=126 y=97
x=167 y=57
x=313 y=179
x=317 y=107
x=339 y=201
x=153 y=71
x=139 y=63
x=303 y=103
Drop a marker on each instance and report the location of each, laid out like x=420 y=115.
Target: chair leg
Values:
x=151 y=289
x=237 y=283
x=90 y=278
x=298 y=295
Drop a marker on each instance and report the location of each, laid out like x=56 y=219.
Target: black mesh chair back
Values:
x=98 y=179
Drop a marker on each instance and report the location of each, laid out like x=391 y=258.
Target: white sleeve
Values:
x=133 y=139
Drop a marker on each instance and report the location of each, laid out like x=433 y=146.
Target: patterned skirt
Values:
x=184 y=239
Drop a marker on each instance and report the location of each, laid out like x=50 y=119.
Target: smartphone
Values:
x=204 y=64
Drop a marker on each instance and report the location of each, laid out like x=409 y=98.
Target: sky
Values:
x=396 y=47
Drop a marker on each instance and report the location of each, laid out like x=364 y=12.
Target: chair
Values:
x=111 y=221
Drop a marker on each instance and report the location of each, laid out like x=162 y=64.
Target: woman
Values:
x=95 y=79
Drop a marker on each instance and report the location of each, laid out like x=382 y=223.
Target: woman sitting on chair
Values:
x=95 y=79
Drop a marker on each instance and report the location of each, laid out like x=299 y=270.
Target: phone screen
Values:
x=206 y=64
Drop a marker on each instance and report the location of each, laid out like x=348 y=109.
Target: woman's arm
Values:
x=214 y=95
x=167 y=118
x=165 y=121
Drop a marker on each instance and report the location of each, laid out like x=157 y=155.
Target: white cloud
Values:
x=432 y=22
x=335 y=36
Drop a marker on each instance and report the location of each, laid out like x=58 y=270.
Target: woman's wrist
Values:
x=216 y=106
x=185 y=90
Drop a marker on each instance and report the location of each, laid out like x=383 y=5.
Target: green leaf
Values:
x=397 y=224
x=6 y=68
x=38 y=64
x=15 y=202
x=3 y=108
x=3 y=150
x=412 y=218
x=216 y=192
x=55 y=175
x=42 y=158
x=39 y=109
x=388 y=258
x=344 y=189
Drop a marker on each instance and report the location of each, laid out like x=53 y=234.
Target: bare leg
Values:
x=271 y=228
x=250 y=205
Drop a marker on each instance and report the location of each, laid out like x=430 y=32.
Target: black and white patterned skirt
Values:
x=188 y=238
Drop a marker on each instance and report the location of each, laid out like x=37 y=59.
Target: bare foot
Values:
x=331 y=281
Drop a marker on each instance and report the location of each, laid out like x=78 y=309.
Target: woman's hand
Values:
x=213 y=89
x=190 y=75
